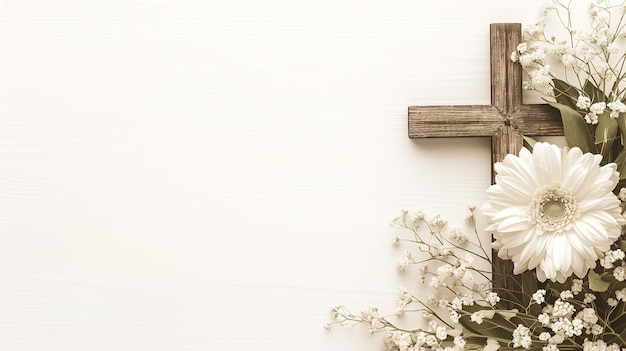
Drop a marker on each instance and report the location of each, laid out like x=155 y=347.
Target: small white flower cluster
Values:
x=370 y=315
x=591 y=54
x=600 y=345
x=533 y=59
x=598 y=108
x=521 y=337
x=478 y=317
x=454 y=281
x=451 y=275
x=432 y=338
x=563 y=319
x=458 y=236
x=405 y=261
x=610 y=257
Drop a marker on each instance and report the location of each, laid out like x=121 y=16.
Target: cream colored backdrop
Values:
x=214 y=175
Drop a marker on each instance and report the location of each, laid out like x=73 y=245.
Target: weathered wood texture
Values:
x=505 y=120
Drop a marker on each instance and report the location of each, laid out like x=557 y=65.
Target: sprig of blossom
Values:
x=446 y=264
x=591 y=56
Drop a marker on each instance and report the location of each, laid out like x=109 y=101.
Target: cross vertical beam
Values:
x=504 y=121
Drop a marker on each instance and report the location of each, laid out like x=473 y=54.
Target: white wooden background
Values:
x=215 y=174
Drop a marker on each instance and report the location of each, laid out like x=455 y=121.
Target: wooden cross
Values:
x=505 y=120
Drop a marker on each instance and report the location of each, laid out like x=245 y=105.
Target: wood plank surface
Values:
x=214 y=175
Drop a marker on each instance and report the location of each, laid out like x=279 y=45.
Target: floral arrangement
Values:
x=556 y=213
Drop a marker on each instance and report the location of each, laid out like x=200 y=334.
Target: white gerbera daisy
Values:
x=553 y=210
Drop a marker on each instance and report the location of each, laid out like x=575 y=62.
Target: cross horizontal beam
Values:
x=505 y=121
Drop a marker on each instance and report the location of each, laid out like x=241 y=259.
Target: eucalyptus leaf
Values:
x=576 y=132
x=596 y=283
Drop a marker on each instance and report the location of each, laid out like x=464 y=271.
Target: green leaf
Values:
x=564 y=93
x=494 y=324
x=621 y=123
x=596 y=283
x=576 y=132
x=529 y=142
x=492 y=345
x=595 y=94
x=620 y=160
x=508 y=314
x=606 y=133
x=530 y=285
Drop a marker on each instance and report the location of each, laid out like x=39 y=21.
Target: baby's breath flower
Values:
x=613 y=48
x=467 y=299
x=514 y=56
x=456 y=304
x=589 y=298
x=621 y=295
x=492 y=298
x=577 y=286
x=521 y=337
x=334 y=311
x=441 y=333
x=591 y=118
x=477 y=317
x=544 y=319
x=616 y=107
x=562 y=309
x=610 y=257
x=597 y=329
x=443 y=251
x=541 y=79
x=437 y=222
x=369 y=313
x=588 y=315
x=436 y=283
x=533 y=31
x=597 y=107
x=459 y=342
x=619 y=273
x=458 y=236
x=583 y=102
x=569 y=60
x=395 y=241
x=471 y=217
x=539 y=296
x=405 y=261
x=404 y=298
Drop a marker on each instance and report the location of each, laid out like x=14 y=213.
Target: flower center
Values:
x=554 y=209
